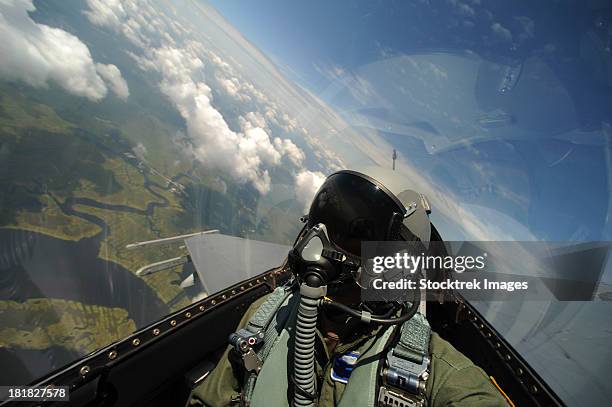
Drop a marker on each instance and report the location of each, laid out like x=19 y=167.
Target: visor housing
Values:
x=354 y=208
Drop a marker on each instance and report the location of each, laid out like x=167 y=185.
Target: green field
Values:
x=73 y=169
x=42 y=323
x=61 y=167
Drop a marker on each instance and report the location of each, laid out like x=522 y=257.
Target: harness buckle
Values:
x=243 y=342
x=406 y=374
x=403 y=382
x=391 y=398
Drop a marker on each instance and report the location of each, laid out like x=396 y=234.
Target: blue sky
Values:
x=449 y=59
x=350 y=33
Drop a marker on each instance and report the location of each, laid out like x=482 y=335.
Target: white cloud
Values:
x=256 y=142
x=219 y=63
x=106 y=13
x=253 y=92
x=290 y=150
x=229 y=80
x=219 y=185
x=501 y=32
x=140 y=151
x=111 y=74
x=215 y=144
x=528 y=27
x=256 y=119
x=175 y=64
x=188 y=72
x=307 y=184
x=115 y=14
x=466 y=10
x=229 y=86
x=142 y=62
x=36 y=54
x=233 y=88
x=244 y=155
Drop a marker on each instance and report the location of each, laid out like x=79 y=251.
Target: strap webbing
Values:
x=414 y=340
x=266 y=311
x=261 y=320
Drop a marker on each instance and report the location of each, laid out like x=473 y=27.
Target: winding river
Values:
x=35 y=265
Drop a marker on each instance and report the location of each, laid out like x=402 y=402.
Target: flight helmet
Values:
x=374 y=206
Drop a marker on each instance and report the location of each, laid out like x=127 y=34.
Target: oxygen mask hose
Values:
x=304 y=379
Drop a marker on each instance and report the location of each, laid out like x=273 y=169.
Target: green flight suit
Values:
x=454 y=380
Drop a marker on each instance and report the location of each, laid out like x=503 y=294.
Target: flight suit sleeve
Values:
x=221 y=385
x=456 y=382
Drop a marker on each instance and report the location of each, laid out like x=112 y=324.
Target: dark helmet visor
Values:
x=354 y=208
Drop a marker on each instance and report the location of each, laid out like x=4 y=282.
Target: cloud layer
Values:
x=111 y=74
x=245 y=155
x=192 y=76
x=307 y=184
x=36 y=54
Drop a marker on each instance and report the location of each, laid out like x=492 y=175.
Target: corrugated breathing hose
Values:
x=304 y=380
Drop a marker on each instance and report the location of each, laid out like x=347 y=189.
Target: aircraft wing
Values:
x=221 y=261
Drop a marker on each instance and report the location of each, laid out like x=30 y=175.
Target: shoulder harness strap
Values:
x=406 y=367
x=254 y=342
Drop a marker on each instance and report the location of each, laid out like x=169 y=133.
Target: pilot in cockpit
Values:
x=315 y=342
